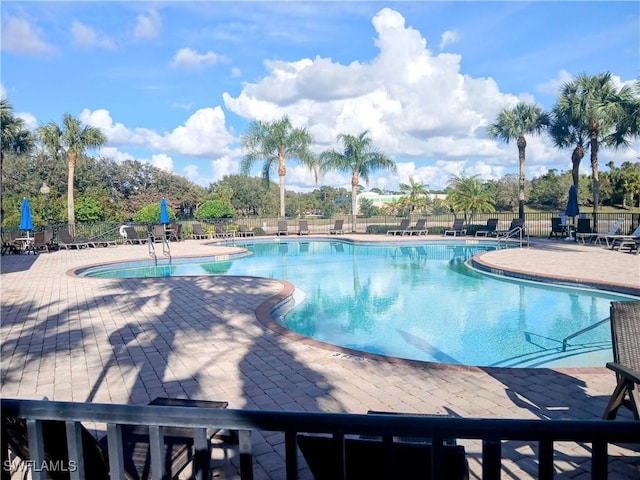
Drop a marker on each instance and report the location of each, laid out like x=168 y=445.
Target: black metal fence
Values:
x=491 y=432
x=536 y=224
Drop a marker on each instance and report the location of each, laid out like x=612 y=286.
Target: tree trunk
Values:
x=594 y=127
x=522 y=145
x=282 y=172
x=71 y=215
x=576 y=158
x=354 y=200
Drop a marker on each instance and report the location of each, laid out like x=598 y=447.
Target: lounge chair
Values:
x=516 y=227
x=364 y=459
x=489 y=229
x=283 y=228
x=198 y=232
x=337 y=228
x=66 y=241
x=420 y=228
x=625 y=335
x=243 y=231
x=402 y=229
x=219 y=232
x=132 y=237
x=614 y=241
x=9 y=245
x=40 y=241
x=457 y=228
x=558 y=228
x=303 y=227
x=137 y=458
x=615 y=228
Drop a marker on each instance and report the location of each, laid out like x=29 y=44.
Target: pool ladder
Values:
x=580 y=332
x=166 y=249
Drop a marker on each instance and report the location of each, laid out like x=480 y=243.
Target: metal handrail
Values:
x=519 y=231
x=580 y=332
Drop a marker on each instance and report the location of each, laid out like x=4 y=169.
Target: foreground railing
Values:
x=491 y=432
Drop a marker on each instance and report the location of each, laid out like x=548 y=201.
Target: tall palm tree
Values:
x=358 y=158
x=514 y=124
x=14 y=138
x=592 y=112
x=470 y=196
x=275 y=142
x=70 y=140
x=416 y=194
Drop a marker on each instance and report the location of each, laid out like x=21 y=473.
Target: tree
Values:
x=514 y=124
x=468 y=195
x=214 y=209
x=592 y=111
x=15 y=138
x=360 y=159
x=71 y=140
x=416 y=196
x=275 y=142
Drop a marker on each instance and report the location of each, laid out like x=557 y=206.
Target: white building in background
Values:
x=380 y=201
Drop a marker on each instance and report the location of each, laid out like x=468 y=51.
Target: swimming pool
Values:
x=417 y=301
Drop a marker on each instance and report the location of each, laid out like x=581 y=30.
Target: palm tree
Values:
x=360 y=159
x=275 y=142
x=470 y=196
x=70 y=140
x=417 y=194
x=514 y=124
x=590 y=111
x=15 y=138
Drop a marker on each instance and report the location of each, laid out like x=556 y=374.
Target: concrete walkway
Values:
x=129 y=341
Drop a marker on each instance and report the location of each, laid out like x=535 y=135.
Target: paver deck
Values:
x=131 y=340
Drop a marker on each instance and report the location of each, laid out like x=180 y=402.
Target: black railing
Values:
x=599 y=433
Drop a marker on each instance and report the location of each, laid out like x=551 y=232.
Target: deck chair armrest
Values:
x=624 y=371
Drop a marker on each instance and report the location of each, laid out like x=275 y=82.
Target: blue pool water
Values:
x=416 y=301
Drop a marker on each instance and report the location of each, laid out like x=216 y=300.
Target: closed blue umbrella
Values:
x=572 y=209
x=26 y=222
x=164 y=212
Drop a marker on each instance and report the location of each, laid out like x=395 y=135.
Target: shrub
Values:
x=213 y=209
x=151 y=214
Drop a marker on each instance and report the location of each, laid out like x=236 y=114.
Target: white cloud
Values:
x=204 y=134
x=224 y=166
x=552 y=87
x=162 y=161
x=30 y=121
x=148 y=26
x=20 y=37
x=236 y=72
x=86 y=37
x=3 y=91
x=449 y=37
x=188 y=58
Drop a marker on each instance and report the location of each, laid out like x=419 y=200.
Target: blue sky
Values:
x=177 y=83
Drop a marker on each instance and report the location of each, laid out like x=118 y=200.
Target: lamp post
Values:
x=45 y=190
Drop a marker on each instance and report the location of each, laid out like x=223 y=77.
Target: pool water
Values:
x=416 y=301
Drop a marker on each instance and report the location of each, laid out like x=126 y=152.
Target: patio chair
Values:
x=243 y=231
x=177 y=452
x=402 y=229
x=303 y=227
x=219 y=232
x=40 y=241
x=198 y=232
x=283 y=228
x=374 y=459
x=489 y=229
x=9 y=245
x=132 y=236
x=558 y=228
x=625 y=335
x=66 y=241
x=583 y=231
x=158 y=233
x=175 y=233
x=457 y=228
x=420 y=228
x=337 y=228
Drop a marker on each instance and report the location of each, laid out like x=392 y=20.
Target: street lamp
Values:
x=45 y=190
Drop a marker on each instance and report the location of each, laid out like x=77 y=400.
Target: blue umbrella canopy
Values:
x=572 y=209
x=164 y=212
x=26 y=222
